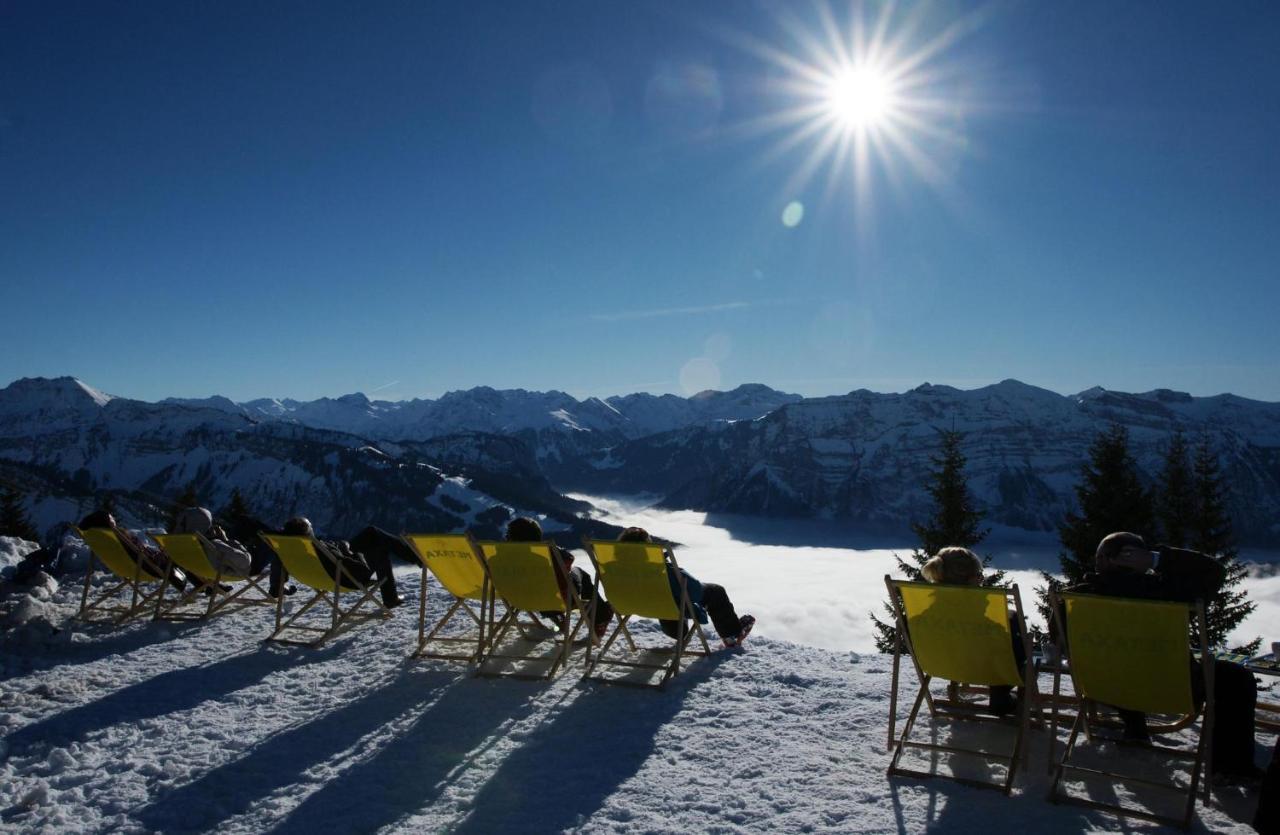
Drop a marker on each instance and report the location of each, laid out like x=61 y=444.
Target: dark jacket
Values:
x=1180 y=575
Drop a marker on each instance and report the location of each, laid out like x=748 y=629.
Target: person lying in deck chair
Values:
x=955 y=566
x=1125 y=567
x=708 y=599
x=524 y=529
x=228 y=556
x=367 y=555
x=151 y=559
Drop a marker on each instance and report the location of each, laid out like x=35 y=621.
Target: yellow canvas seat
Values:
x=301 y=557
x=191 y=552
x=1132 y=655
x=959 y=634
x=524 y=579
x=143 y=585
x=458 y=563
x=635 y=577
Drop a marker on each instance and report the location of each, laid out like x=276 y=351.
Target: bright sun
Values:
x=860 y=98
x=873 y=91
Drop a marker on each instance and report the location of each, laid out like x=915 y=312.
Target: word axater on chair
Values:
x=190 y=552
x=642 y=579
x=308 y=561
x=1133 y=655
x=960 y=634
x=458 y=563
x=140 y=586
x=524 y=576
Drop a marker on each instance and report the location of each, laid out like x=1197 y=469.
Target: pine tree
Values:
x=13 y=517
x=1174 y=498
x=954 y=522
x=1111 y=498
x=237 y=507
x=1209 y=531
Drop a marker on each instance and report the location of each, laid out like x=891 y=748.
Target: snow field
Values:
x=196 y=727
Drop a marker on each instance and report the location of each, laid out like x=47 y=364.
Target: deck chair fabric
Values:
x=959 y=634
x=458 y=564
x=303 y=559
x=1133 y=655
x=636 y=577
x=191 y=552
x=524 y=579
x=142 y=584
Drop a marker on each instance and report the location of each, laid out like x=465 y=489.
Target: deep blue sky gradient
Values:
x=306 y=199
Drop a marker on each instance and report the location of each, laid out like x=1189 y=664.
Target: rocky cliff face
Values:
x=865 y=456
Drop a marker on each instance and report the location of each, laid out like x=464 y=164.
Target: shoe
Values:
x=602 y=629
x=288 y=590
x=392 y=602
x=745 y=623
x=1003 y=703
x=1135 y=727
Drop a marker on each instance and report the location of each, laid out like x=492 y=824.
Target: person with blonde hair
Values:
x=956 y=566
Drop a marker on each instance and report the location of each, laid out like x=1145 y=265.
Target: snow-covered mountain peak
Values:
x=1090 y=394
x=67 y=391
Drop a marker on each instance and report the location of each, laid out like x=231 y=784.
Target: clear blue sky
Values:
x=307 y=199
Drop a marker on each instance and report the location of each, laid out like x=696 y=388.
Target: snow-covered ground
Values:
x=197 y=727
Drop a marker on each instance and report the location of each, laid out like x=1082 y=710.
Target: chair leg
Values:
x=906 y=729
x=1060 y=767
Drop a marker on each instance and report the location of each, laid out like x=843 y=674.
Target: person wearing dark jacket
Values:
x=247 y=531
x=47 y=558
x=366 y=556
x=707 y=601
x=1126 y=567
x=150 y=558
x=524 y=529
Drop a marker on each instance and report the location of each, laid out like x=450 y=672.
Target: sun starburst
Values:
x=864 y=97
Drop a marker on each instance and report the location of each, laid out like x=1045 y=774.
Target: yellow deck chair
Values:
x=301 y=557
x=1132 y=654
x=524 y=579
x=959 y=634
x=191 y=552
x=130 y=576
x=458 y=563
x=635 y=578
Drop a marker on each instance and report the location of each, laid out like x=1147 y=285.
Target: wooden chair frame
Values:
x=340 y=619
x=511 y=619
x=106 y=601
x=209 y=580
x=1087 y=718
x=685 y=636
x=953 y=709
x=483 y=620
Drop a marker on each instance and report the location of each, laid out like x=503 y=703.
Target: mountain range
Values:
x=474 y=457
